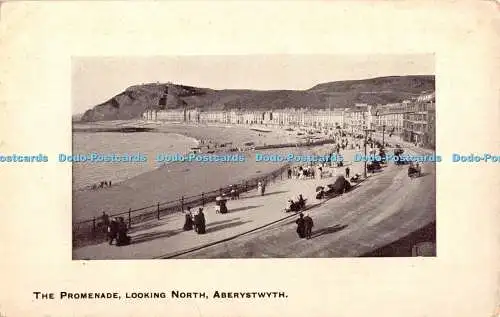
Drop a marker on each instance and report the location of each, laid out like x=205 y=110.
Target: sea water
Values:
x=148 y=144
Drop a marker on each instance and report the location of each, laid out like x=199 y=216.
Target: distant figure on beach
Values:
x=309 y=224
x=123 y=238
x=347 y=171
x=112 y=230
x=301 y=228
x=199 y=222
x=188 y=223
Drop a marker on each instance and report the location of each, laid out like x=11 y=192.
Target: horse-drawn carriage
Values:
x=373 y=166
x=414 y=170
x=398 y=159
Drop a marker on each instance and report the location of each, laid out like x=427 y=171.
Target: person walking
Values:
x=199 y=222
x=301 y=226
x=347 y=171
x=123 y=238
x=309 y=224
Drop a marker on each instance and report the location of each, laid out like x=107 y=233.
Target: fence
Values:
x=93 y=230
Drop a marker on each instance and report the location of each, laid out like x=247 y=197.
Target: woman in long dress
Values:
x=188 y=222
x=301 y=226
x=201 y=221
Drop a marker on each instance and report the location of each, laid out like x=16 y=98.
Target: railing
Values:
x=94 y=230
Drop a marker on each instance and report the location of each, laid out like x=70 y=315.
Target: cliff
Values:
x=340 y=94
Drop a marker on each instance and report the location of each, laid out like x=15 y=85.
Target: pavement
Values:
x=386 y=208
x=387 y=205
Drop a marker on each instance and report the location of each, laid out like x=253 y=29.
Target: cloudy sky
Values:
x=97 y=79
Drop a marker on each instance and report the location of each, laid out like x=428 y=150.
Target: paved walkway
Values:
x=389 y=207
x=165 y=236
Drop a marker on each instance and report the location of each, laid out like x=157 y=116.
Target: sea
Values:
x=86 y=174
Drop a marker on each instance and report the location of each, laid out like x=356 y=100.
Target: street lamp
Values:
x=366 y=136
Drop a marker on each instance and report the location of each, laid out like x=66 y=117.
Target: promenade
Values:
x=386 y=208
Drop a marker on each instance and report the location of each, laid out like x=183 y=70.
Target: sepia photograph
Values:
x=249 y=158
x=254 y=156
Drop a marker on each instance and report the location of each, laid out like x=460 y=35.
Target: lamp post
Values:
x=366 y=136
x=383 y=136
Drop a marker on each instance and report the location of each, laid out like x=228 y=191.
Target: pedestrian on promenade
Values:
x=309 y=224
x=105 y=221
x=123 y=238
x=199 y=222
x=289 y=173
x=188 y=222
x=347 y=171
x=301 y=229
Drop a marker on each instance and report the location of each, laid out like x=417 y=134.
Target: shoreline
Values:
x=171 y=181
x=190 y=131
x=121 y=175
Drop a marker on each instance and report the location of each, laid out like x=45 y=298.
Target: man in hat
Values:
x=308 y=223
x=113 y=230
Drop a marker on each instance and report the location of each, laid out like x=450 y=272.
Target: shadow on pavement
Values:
x=423 y=175
x=222 y=221
x=266 y=194
x=154 y=235
x=327 y=230
x=225 y=226
x=404 y=247
x=244 y=208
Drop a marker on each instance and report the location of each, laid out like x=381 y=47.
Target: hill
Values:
x=340 y=94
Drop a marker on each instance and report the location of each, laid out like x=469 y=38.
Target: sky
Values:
x=97 y=79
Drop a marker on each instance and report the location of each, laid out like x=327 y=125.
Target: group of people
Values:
x=296 y=205
x=196 y=221
x=304 y=226
x=116 y=230
x=301 y=172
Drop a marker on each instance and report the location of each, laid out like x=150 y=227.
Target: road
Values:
x=382 y=209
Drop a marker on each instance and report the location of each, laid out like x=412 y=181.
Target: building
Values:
x=173 y=115
x=389 y=118
x=212 y=117
x=358 y=118
x=419 y=121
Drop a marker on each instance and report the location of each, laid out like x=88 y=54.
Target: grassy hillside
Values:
x=340 y=94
